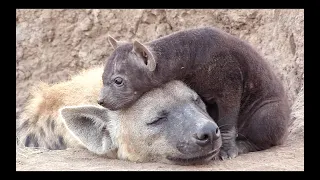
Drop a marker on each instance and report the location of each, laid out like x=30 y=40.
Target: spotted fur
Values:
x=39 y=124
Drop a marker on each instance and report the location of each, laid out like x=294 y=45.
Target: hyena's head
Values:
x=127 y=75
x=168 y=124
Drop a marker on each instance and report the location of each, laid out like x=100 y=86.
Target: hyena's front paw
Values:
x=228 y=153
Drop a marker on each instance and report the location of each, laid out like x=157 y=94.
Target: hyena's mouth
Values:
x=194 y=160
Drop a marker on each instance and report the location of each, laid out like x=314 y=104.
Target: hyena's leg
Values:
x=266 y=128
x=227 y=122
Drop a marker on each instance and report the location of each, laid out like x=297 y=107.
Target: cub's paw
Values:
x=228 y=153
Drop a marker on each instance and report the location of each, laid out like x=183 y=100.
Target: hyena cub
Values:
x=228 y=74
x=169 y=124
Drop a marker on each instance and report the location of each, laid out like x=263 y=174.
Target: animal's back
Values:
x=39 y=124
x=222 y=54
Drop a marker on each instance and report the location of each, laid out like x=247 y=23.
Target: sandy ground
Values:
x=288 y=157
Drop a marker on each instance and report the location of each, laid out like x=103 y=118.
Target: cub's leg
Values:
x=227 y=122
x=267 y=127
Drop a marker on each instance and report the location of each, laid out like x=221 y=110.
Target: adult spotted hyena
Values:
x=169 y=124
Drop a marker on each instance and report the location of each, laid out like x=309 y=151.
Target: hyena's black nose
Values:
x=100 y=102
x=207 y=134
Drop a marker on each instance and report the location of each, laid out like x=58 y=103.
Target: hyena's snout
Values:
x=207 y=135
x=203 y=142
x=101 y=98
x=100 y=102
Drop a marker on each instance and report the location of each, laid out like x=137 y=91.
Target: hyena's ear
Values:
x=88 y=124
x=114 y=43
x=146 y=54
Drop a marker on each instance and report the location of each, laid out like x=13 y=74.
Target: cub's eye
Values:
x=198 y=99
x=118 y=81
x=157 y=121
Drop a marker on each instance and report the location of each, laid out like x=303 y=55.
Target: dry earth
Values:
x=52 y=45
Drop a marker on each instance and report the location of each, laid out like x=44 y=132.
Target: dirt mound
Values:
x=52 y=45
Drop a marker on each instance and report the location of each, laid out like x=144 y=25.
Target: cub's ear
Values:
x=114 y=43
x=146 y=54
x=88 y=124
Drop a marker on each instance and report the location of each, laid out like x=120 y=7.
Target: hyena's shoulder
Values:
x=39 y=125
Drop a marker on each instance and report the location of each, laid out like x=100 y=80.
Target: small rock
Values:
x=162 y=29
x=149 y=18
x=86 y=24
